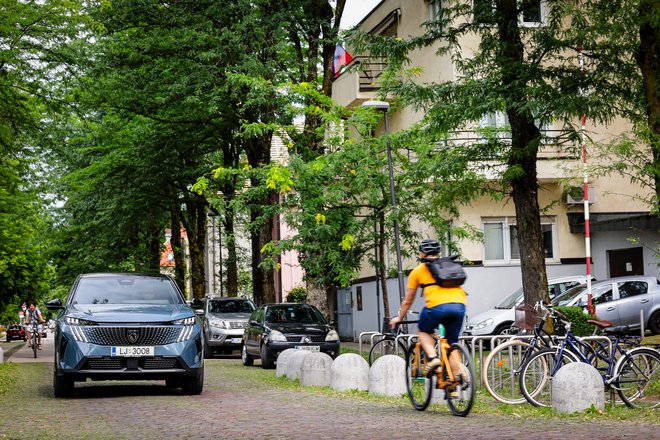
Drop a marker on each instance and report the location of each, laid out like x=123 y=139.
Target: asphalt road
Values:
x=236 y=404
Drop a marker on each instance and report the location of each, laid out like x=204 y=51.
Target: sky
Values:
x=355 y=11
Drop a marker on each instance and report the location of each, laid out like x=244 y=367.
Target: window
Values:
x=501 y=239
x=632 y=288
x=531 y=11
x=435 y=10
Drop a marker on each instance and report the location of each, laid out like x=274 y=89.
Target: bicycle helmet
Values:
x=429 y=246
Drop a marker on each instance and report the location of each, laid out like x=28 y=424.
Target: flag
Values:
x=341 y=59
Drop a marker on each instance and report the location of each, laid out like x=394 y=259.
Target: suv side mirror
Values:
x=54 y=304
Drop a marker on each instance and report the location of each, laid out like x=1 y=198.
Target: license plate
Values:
x=308 y=347
x=235 y=340
x=135 y=351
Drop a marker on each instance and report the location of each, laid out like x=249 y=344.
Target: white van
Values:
x=498 y=321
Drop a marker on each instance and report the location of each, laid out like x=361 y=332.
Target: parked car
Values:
x=622 y=301
x=498 y=321
x=275 y=327
x=224 y=322
x=15 y=332
x=127 y=326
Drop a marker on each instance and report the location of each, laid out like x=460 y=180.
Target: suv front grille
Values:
x=147 y=335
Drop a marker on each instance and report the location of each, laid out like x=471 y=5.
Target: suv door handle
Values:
x=610 y=308
x=644 y=301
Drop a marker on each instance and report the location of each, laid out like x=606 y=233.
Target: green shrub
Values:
x=578 y=319
x=297 y=295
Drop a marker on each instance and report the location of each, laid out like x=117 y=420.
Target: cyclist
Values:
x=444 y=305
x=34 y=322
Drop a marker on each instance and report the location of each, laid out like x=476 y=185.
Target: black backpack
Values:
x=446 y=271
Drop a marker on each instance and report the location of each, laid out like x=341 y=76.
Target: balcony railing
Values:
x=369 y=71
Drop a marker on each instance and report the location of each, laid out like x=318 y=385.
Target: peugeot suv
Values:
x=126 y=326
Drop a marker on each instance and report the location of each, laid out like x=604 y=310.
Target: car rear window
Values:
x=125 y=290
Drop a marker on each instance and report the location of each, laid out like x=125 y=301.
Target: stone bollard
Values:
x=349 y=372
x=283 y=361
x=576 y=387
x=294 y=365
x=315 y=370
x=387 y=376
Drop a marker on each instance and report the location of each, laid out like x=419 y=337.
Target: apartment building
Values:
x=623 y=235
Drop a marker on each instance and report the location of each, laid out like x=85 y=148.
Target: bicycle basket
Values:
x=526 y=317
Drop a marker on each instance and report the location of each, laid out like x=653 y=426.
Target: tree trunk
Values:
x=648 y=57
x=153 y=249
x=177 y=250
x=231 y=260
x=195 y=224
x=317 y=296
x=525 y=139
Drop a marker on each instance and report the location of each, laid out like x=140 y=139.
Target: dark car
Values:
x=15 y=332
x=225 y=319
x=275 y=327
x=127 y=326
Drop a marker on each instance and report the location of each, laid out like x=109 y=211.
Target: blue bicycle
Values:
x=633 y=373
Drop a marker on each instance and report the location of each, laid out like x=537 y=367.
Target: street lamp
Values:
x=385 y=106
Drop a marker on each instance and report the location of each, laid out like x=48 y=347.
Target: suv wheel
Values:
x=193 y=385
x=62 y=385
x=245 y=357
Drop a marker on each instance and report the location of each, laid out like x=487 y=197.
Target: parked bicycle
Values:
x=501 y=369
x=391 y=342
x=633 y=373
x=458 y=386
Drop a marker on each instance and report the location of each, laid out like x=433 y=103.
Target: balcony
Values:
x=358 y=81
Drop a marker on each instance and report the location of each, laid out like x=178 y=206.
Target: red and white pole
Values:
x=587 y=239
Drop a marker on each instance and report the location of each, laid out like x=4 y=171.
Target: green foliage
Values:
x=8 y=375
x=297 y=295
x=578 y=320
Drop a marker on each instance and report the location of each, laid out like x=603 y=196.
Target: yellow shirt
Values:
x=434 y=294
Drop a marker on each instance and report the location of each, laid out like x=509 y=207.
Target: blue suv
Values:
x=126 y=326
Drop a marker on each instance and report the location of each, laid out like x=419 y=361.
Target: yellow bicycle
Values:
x=458 y=386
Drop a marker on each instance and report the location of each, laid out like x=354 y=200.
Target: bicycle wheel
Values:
x=419 y=386
x=637 y=376
x=461 y=398
x=384 y=347
x=34 y=343
x=536 y=375
x=501 y=370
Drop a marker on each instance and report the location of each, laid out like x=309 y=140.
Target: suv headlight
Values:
x=185 y=321
x=484 y=323
x=219 y=323
x=76 y=330
x=77 y=321
x=276 y=336
x=332 y=336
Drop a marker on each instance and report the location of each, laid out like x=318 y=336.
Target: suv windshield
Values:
x=231 y=306
x=125 y=290
x=300 y=314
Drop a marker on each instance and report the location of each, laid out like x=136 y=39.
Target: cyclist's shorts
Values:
x=450 y=315
x=30 y=327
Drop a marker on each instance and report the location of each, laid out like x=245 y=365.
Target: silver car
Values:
x=627 y=301
x=225 y=319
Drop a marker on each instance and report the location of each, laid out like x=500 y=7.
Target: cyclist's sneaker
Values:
x=431 y=366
